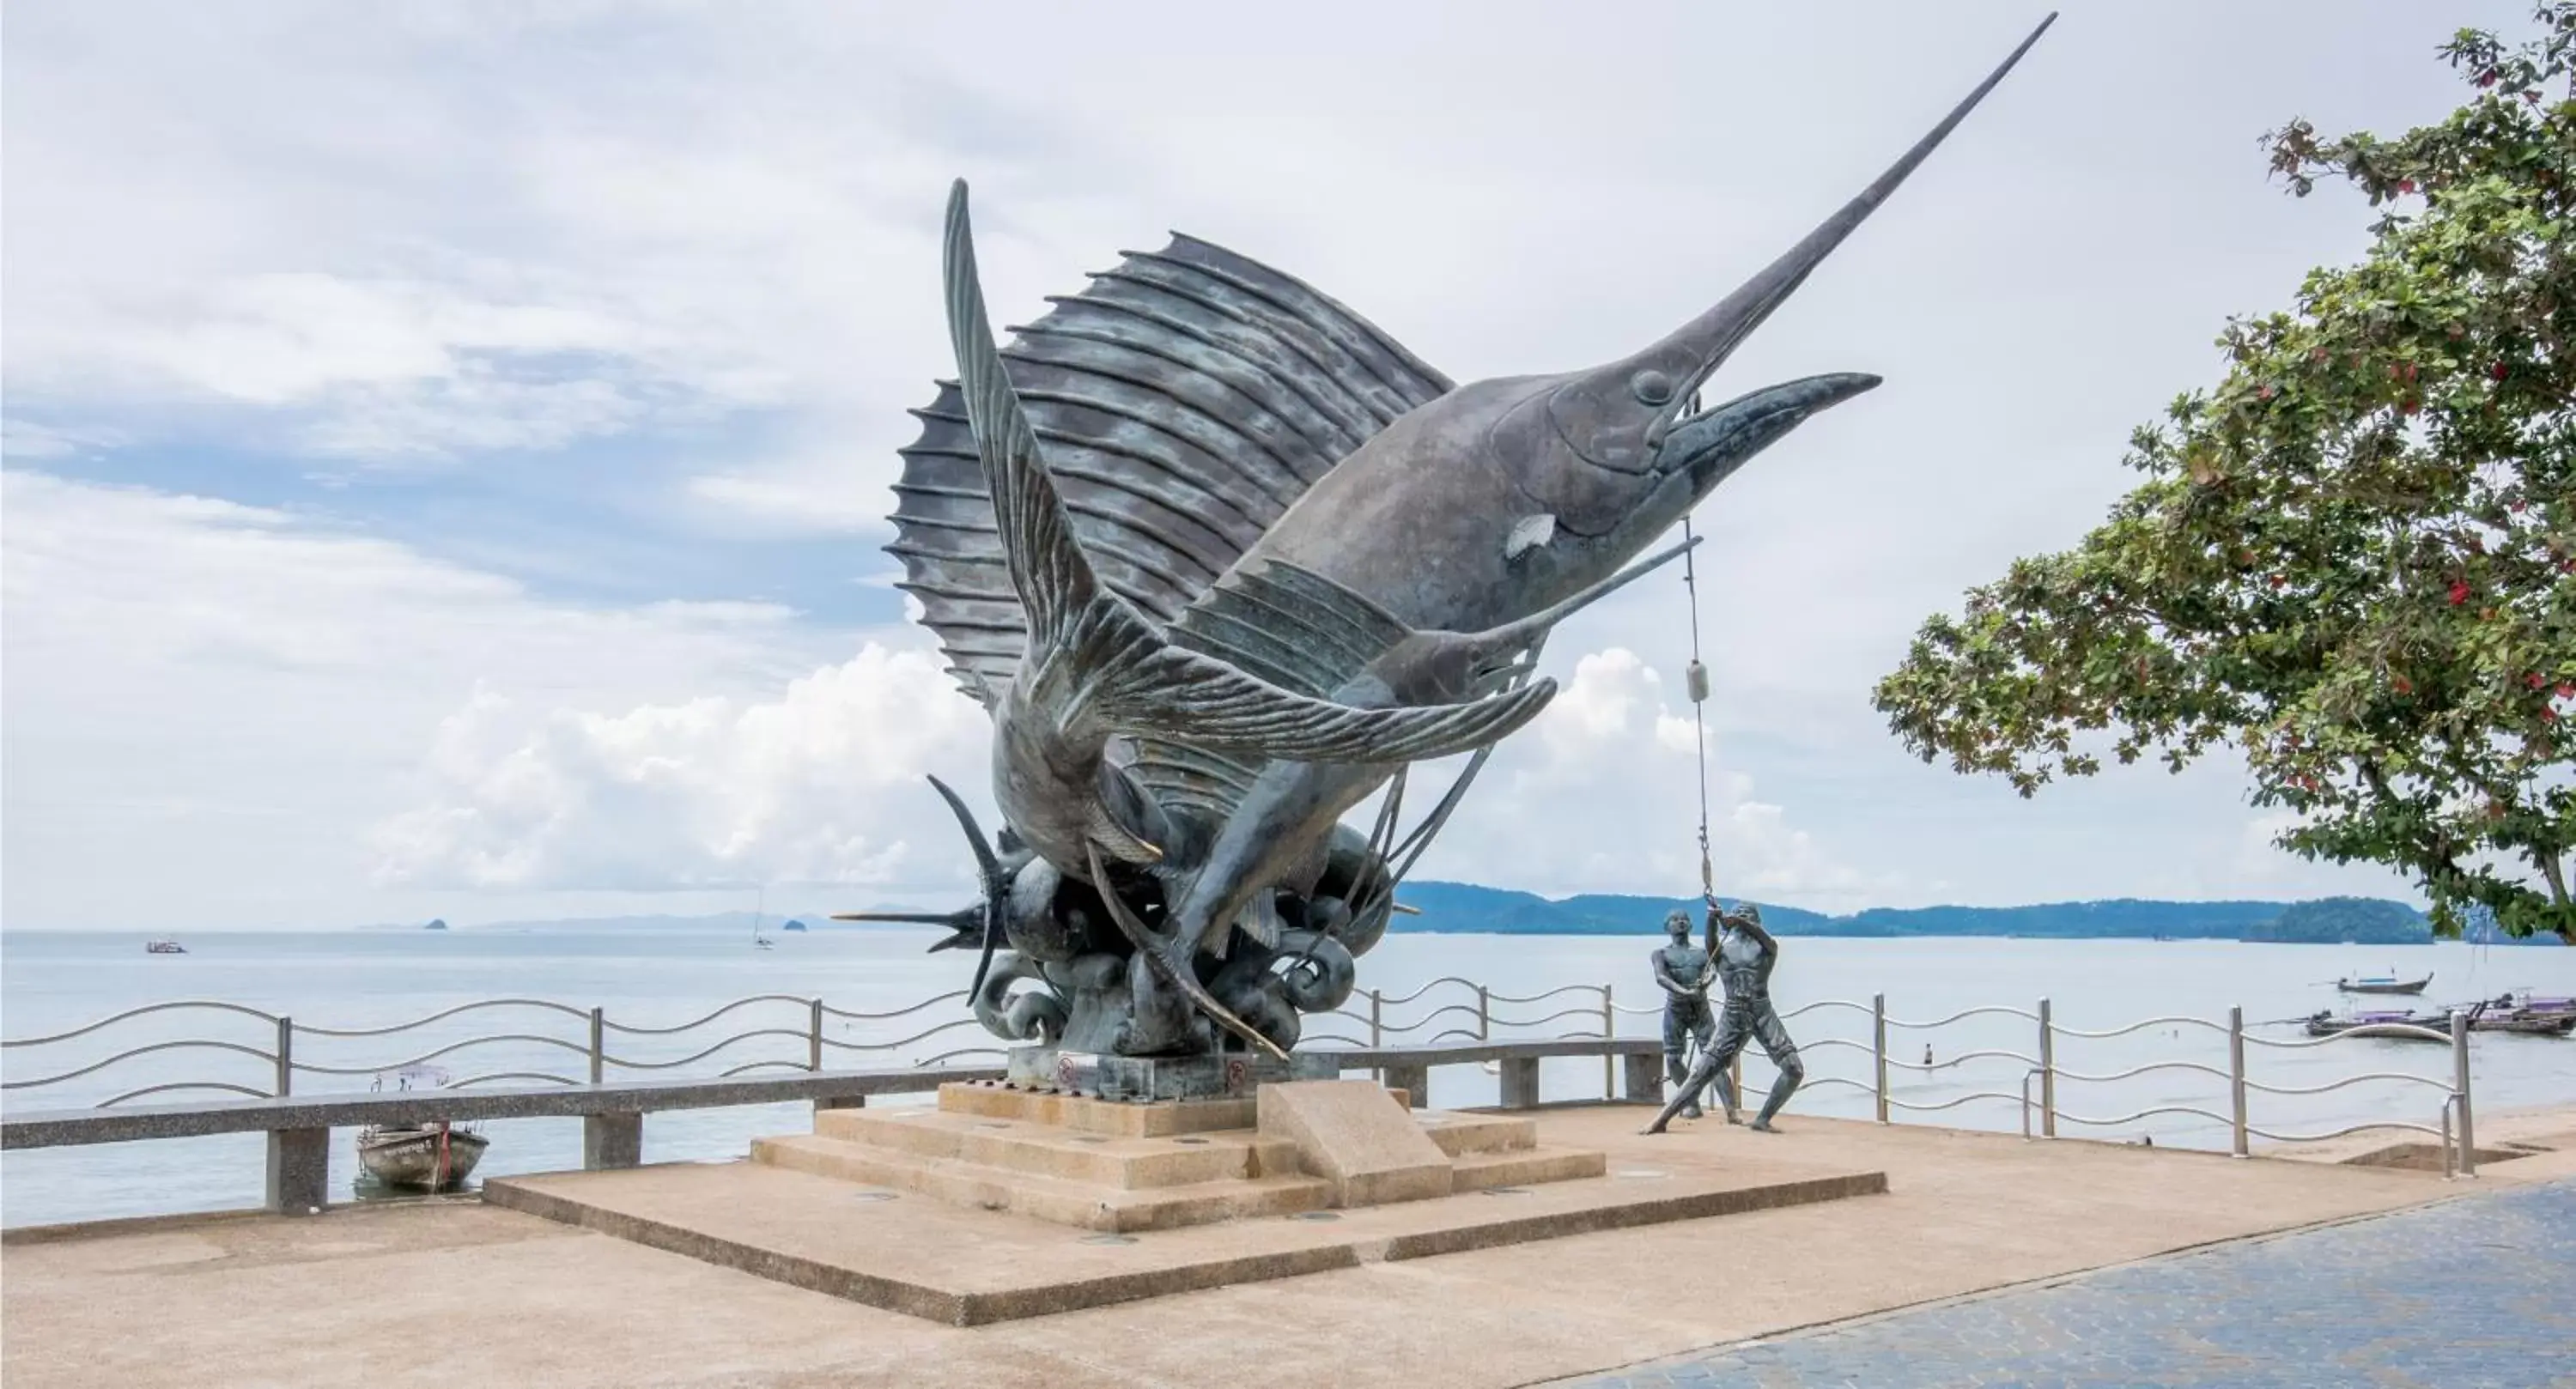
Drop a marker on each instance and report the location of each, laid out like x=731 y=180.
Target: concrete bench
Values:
x=1408 y=1068
x=299 y=1127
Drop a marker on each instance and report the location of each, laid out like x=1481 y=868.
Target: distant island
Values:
x=1465 y=907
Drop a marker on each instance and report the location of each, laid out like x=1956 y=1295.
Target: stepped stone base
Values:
x=959 y=1213
x=913 y=1251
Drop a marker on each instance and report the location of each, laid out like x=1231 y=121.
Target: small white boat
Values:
x=164 y=947
x=436 y=1156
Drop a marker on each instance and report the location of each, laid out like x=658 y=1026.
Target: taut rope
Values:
x=1695 y=679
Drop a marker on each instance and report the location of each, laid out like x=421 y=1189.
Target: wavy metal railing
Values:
x=2040 y=1065
x=283 y=1064
x=440 y=1016
x=1472 y=1019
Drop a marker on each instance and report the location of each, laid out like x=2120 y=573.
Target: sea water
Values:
x=643 y=980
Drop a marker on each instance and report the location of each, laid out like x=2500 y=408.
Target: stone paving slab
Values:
x=2467 y=1294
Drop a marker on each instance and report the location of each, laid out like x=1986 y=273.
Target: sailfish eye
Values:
x=1652 y=387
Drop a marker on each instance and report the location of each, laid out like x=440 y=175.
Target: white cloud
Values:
x=206 y=703
x=821 y=784
x=823 y=490
x=1601 y=794
x=528 y=228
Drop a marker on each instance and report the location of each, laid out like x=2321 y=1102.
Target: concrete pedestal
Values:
x=299 y=1171
x=611 y=1141
x=1210 y=1075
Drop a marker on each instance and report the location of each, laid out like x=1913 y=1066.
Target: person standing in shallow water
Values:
x=1744 y=955
x=1682 y=971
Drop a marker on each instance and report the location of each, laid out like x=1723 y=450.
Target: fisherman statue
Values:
x=1745 y=955
x=1682 y=972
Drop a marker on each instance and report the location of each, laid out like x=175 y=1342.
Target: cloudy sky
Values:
x=447 y=444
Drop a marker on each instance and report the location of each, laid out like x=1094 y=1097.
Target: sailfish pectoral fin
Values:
x=1513 y=636
x=1053 y=577
x=1190 y=698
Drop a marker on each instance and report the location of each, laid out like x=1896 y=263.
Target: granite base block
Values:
x=1147 y=1079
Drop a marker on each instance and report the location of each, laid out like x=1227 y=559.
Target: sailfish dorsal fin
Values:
x=1185 y=401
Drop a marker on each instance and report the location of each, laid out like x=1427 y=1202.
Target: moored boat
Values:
x=2383 y=984
x=2409 y=1027
x=2536 y=1026
x=421 y=1157
x=2525 y=1012
x=164 y=947
x=433 y=1156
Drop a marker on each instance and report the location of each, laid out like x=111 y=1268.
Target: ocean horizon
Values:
x=355 y=980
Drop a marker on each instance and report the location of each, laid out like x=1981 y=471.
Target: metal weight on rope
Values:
x=1695 y=680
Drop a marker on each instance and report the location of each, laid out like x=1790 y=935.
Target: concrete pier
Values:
x=448 y=1291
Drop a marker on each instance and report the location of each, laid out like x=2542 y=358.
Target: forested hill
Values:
x=2329 y=921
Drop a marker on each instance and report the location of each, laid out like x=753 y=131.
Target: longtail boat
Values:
x=434 y=1156
x=2527 y=1013
x=2383 y=984
x=2404 y=1027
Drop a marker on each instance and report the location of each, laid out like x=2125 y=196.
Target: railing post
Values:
x=286 y=1057
x=1377 y=1029
x=1878 y=1048
x=299 y=1160
x=1609 y=1063
x=814 y=1038
x=2236 y=1075
x=598 y=1044
x=1484 y=1014
x=2047 y=1072
x=2460 y=1089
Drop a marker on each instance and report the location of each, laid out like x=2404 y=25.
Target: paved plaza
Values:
x=2381 y=1289
x=2468 y=1294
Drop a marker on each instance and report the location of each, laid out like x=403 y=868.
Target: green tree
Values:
x=2352 y=558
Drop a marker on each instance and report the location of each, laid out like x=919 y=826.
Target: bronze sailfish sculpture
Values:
x=1221 y=559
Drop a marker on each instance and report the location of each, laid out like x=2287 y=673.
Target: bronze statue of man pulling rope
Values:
x=1744 y=954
